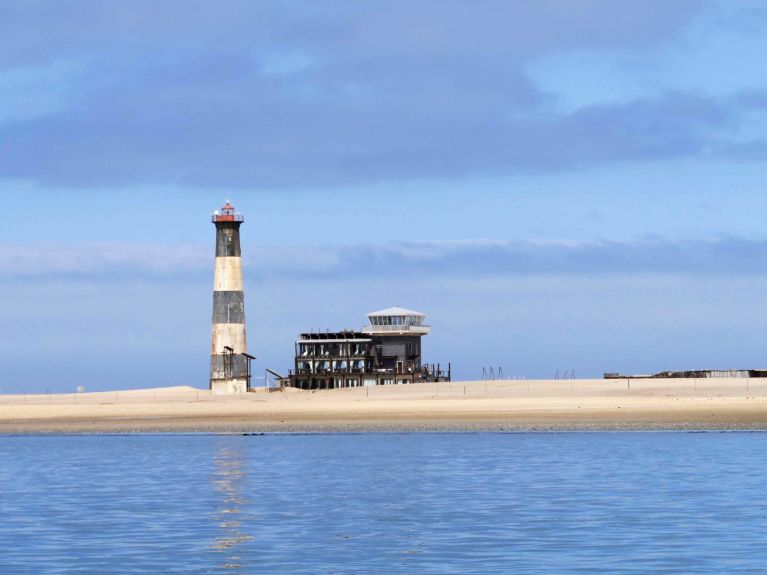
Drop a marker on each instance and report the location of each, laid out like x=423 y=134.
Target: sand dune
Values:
x=497 y=405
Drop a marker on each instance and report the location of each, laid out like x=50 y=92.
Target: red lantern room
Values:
x=227 y=214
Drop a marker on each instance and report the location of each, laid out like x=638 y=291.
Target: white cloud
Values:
x=726 y=255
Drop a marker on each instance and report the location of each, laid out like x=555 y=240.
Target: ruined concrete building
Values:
x=385 y=352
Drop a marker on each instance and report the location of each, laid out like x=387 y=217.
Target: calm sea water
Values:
x=385 y=503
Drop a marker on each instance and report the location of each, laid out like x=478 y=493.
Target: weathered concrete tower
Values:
x=229 y=361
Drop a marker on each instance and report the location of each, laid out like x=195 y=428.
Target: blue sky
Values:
x=557 y=184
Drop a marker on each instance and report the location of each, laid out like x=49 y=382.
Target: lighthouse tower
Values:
x=229 y=361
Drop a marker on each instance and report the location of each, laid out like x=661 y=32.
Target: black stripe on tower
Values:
x=228 y=239
x=228 y=307
x=228 y=367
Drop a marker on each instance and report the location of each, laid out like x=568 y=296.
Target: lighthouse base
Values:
x=228 y=386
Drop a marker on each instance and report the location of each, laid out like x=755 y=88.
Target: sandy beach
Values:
x=472 y=405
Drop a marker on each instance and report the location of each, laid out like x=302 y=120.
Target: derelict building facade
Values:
x=385 y=352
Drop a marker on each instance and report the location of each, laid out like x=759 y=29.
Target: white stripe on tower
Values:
x=228 y=367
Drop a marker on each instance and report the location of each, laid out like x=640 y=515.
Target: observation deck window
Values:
x=397 y=320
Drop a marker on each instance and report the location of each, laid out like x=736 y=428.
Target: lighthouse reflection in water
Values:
x=229 y=481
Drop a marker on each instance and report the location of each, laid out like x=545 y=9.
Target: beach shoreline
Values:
x=509 y=405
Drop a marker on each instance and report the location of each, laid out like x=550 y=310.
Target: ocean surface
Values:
x=480 y=503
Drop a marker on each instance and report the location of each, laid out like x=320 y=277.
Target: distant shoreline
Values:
x=510 y=405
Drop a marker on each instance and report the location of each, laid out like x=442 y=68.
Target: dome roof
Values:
x=396 y=311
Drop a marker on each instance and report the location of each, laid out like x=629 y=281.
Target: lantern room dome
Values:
x=227 y=214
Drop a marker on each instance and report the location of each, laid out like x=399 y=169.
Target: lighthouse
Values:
x=229 y=360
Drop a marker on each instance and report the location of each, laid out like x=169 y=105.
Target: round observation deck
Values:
x=397 y=320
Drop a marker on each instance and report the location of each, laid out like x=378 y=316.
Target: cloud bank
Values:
x=295 y=94
x=459 y=259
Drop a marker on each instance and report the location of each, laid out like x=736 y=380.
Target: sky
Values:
x=559 y=185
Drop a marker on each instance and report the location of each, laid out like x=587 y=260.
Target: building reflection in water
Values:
x=229 y=478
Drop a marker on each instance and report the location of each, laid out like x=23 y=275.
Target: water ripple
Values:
x=384 y=503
